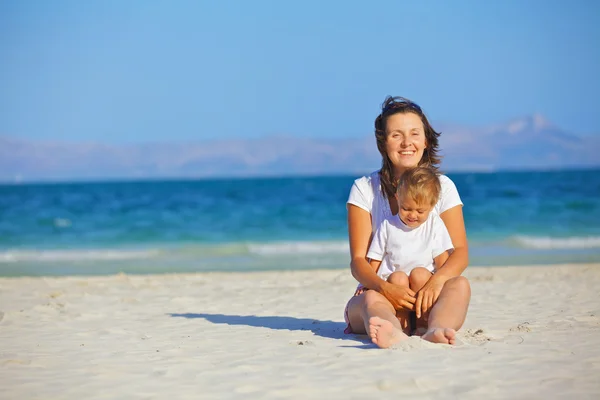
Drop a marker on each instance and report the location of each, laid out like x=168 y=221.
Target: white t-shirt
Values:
x=366 y=194
x=401 y=248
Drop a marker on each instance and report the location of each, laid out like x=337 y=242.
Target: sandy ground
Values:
x=531 y=333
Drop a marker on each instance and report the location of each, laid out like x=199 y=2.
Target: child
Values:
x=407 y=248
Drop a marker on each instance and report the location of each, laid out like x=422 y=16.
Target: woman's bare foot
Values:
x=440 y=335
x=383 y=333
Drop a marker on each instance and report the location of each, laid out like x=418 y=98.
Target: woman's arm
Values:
x=359 y=232
x=459 y=259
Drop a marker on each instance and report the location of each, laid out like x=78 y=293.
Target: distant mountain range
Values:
x=525 y=143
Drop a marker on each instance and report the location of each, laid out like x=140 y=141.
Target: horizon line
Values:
x=181 y=178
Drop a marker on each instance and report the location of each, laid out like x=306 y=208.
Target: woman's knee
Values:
x=460 y=284
x=371 y=298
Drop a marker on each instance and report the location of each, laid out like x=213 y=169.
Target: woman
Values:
x=405 y=139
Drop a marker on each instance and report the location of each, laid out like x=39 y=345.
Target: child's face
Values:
x=412 y=213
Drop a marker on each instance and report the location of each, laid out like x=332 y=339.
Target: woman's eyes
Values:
x=398 y=135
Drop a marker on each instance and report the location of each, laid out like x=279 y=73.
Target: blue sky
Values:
x=133 y=71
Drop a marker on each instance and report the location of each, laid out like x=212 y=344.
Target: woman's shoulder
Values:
x=364 y=192
x=445 y=181
x=368 y=182
x=449 y=196
x=369 y=178
x=447 y=184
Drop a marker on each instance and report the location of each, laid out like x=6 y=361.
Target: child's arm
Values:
x=442 y=244
x=375 y=264
x=441 y=259
x=377 y=248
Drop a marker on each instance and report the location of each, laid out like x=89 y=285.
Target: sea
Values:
x=290 y=223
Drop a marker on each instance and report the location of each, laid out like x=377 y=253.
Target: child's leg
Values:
x=401 y=279
x=417 y=279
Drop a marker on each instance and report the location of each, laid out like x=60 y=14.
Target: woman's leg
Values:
x=449 y=311
x=373 y=314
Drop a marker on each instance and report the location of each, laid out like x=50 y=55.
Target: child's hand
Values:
x=428 y=295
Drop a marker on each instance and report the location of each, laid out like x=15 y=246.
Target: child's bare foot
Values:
x=383 y=333
x=440 y=335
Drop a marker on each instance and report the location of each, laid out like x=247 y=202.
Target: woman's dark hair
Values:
x=431 y=158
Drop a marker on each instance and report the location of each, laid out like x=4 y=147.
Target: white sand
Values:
x=531 y=332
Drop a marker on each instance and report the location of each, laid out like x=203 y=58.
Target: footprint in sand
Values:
x=416 y=343
x=475 y=336
x=521 y=328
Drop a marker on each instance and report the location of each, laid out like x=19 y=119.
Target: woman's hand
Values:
x=428 y=295
x=399 y=296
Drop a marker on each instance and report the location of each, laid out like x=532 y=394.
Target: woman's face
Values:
x=405 y=141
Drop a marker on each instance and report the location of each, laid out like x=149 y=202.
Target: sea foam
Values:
x=545 y=242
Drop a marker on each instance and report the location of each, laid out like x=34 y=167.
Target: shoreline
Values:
x=531 y=331
x=276 y=271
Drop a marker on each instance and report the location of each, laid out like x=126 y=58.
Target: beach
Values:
x=531 y=332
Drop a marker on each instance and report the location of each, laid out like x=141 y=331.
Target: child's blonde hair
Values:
x=421 y=184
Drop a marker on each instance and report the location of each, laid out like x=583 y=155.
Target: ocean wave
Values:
x=266 y=250
x=298 y=248
x=541 y=242
x=188 y=252
x=75 y=255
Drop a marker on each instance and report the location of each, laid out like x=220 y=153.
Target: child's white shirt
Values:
x=401 y=248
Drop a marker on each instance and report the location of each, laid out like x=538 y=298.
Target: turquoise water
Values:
x=271 y=224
